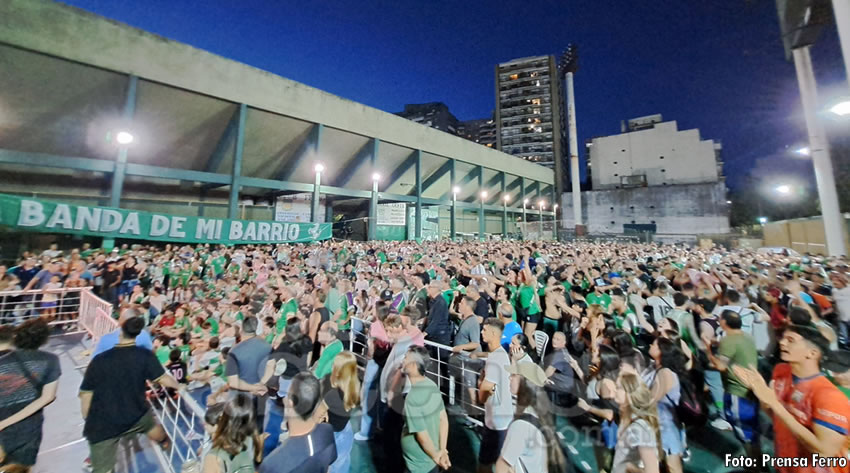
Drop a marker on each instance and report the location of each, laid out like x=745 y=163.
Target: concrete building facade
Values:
x=225 y=144
x=435 y=115
x=481 y=131
x=652 y=152
x=528 y=112
x=653 y=178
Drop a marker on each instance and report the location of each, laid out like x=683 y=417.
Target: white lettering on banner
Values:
x=31 y=214
x=87 y=218
x=177 y=227
x=205 y=229
x=292 y=232
x=235 y=230
x=250 y=232
x=131 y=224
x=263 y=229
x=218 y=229
x=61 y=216
x=277 y=232
x=159 y=225
x=111 y=220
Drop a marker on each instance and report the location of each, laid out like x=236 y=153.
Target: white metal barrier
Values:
x=183 y=420
x=64 y=306
x=96 y=316
x=452 y=371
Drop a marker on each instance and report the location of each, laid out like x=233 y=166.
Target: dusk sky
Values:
x=718 y=65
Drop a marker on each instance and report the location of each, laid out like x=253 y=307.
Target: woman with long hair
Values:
x=236 y=444
x=663 y=381
x=530 y=443
x=638 y=439
x=341 y=394
x=601 y=392
x=528 y=304
x=521 y=350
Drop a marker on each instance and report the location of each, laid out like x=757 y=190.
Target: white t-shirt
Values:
x=842 y=302
x=751 y=324
x=498 y=411
x=525 y=447
x=660 y=306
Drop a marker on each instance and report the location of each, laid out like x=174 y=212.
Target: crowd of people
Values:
x=301 y=351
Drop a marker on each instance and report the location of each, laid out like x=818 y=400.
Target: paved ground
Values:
x=64 y=449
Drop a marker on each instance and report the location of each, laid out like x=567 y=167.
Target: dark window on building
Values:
x=661 y=157
x=615 y=162
x=653 y=222
x=633 y=221
x=663 y=170
x=612 y=222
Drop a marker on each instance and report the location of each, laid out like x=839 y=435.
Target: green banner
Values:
x=36 y=215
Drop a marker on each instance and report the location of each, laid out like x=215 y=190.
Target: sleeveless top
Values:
x=242 y=462
x=667 y=404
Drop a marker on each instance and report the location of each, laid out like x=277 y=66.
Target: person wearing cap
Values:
x=810 y=415
x=740 y=408
x=529 y=444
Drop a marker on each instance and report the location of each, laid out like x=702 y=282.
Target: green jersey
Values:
x=162 y=353
x=604 y=300
x=424 y=396
x=528 y=301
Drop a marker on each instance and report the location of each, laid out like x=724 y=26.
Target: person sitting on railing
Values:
x=110 y=340
x=310 y=447
x=112 y=396
x=30 y=382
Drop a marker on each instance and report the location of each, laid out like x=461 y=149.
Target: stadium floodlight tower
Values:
x=567 y=66
x=801 y=22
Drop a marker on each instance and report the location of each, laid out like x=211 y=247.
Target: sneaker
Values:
x=87 y=465
x=721 y=424
x=686 y=456
x=360 y=437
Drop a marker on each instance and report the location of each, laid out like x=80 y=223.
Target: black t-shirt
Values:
x=117 y=380
x=338 y=417
x=482 y=308
x=311 y=453
x=109 y=277
x=17 y=391
x=130 y=273
x=177 y=369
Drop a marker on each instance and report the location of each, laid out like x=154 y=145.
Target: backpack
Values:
x=691 y=411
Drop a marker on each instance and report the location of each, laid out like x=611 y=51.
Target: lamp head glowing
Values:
x=525 y=202
x=541 y=203
x=319 y=167
x=783 y=189
x=376 y=177
x=507 y=198
x=123 y=137
x=762 y=220
x=805 y=151
x=456 y=190
x=483 y=194
x=842 y=109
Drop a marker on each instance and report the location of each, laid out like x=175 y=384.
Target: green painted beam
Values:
x=434 y=177
x=466 y=180
x=308 y=146
x=159 y=172
x=8 y=156
x=236 y=170
x=341 y=191
x=417 y=224
x=347 y=172
x=284 y=186
x=224 y=142
x=399 y=171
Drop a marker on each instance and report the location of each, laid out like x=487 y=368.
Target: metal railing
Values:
x=182 y=418
x=453 y=372
x=65 y=306
x=96 y=316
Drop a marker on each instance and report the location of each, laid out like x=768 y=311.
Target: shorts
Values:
x=48 y=304
x=103 y=453
x=491 y=446
x=743 y=414
x=20 y=449
x=533 y=318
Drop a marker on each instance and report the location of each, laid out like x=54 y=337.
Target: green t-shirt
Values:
x=162 y=354
x=218 y=265
x=213 y=326
x=527 y=300
x=738 y=349
x=383 y=257
x=326 y=360
x=604 y=300
x=422 y=408
x=288 y=307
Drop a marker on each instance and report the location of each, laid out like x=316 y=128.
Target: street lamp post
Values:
x=373 y=207
x=453 y=223
x=481 y=223
x=505 y=216
x=540 y=205
x=314 y=208
x=524 y=217
x=555 y=221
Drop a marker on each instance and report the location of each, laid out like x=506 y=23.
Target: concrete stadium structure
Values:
x=217 y=138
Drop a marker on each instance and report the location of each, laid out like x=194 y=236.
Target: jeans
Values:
x=126 y=287
x=344 y=440
x=714 y=381
x=274 y=426
x=369 y=398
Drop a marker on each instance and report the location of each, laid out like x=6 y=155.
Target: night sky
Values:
x=714 y=65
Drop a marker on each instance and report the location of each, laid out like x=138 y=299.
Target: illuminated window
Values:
x=536 y=101
x=514 y=76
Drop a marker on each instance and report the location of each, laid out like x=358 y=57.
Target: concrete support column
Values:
x=574 y=171
x=841 y=8
x=236 y=171
x=524 y=203
x=481 y=223
x=418 y=221
x=832 y=220
x=373 y=211
x=504 y=209
x=120 y=169
x=314 y=207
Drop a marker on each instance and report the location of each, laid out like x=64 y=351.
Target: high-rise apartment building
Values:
x=529 y=119
x=434 y=114
x=482 y=131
